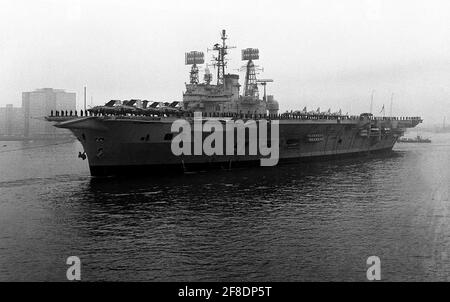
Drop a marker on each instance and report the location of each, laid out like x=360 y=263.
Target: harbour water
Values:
x=306 y=222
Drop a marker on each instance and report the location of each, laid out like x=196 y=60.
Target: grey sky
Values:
x=320 y=53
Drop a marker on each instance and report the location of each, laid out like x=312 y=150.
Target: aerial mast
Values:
x=371 y=100
x=392 y=99
x=220 y=61
x=84 y=98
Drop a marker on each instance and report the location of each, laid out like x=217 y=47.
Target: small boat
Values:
x=417 y=139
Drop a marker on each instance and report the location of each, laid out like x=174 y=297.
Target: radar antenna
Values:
x=208 y=76
x=193 y=58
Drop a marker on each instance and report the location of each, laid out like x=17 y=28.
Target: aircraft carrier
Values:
x=135 y=136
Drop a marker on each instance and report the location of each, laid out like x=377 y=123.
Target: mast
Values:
x=371 y=101
x=390 y=110
x=219 y=60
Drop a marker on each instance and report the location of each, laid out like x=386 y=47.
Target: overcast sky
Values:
x=320 y=53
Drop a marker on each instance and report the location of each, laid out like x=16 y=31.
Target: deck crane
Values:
x=263 y=82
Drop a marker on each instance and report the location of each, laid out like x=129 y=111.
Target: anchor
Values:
x=82 y=155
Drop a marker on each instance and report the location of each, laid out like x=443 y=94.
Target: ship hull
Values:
x=138 y=146
x=158 y=169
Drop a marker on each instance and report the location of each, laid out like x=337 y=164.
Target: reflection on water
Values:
x=298 y=222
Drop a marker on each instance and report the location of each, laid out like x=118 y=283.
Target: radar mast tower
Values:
x=250 y=86
x=193 y=58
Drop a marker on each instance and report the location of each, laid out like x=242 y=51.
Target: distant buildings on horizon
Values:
x=27 y=122
x=11 y=121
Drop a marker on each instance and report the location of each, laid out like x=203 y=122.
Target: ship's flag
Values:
x=318 y=110
x=304 y=109
x=382 y=109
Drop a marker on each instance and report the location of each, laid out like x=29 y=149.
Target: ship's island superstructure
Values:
x=134 y=136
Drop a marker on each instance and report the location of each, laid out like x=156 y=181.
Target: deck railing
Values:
x=282 y=116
